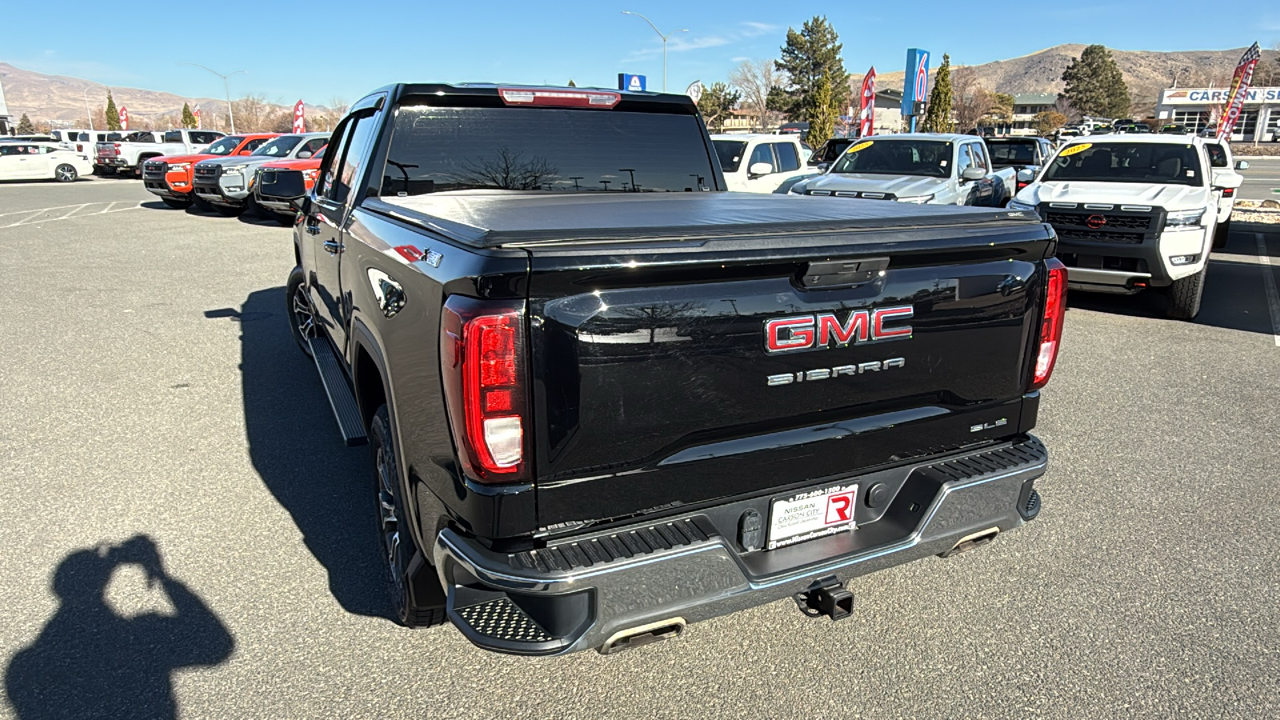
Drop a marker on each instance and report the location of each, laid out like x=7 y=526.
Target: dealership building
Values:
x=1198 y=107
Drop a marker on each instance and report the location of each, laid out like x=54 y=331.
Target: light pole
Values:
x=226 y=88
x=87 y=112
x=664 y=43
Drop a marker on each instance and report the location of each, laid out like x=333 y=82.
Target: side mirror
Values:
x=243 y=152
x=1242 y=165
x=1026 y=176
x=283 y=185
x=973 y=173
x=305 y=154
x=760 y=168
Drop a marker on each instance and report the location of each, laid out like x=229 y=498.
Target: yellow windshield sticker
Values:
x=861 y=146
x=1075 y=149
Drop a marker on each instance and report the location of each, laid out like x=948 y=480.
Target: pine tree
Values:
x=822 y=120
x=937 y=118
x=1095 y=85
x=818 y=83
x=188 y=117
x=572 y=83
x=715 y=104
x=113 y=115
x=25 y=126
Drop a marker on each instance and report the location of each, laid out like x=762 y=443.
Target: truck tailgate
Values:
x=655 y=387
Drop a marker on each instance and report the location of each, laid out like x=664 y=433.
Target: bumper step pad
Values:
x=502 y=620
x=343 y=402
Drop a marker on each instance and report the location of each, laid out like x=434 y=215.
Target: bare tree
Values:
x=1063 y=106
x=756 y=79
x=507 y=169
x=970 y=101
x=251 y=112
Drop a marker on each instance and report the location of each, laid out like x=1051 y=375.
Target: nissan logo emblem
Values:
x=1095 y=221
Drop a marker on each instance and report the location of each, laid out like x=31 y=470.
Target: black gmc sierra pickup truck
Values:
x=606 y=399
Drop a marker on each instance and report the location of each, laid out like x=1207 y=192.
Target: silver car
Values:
x=227 y=183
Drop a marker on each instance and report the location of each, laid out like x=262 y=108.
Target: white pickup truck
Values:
x=939 y=169
x=759 y=163
x=1133 y=212
x=127 y=155
x=1224 y=174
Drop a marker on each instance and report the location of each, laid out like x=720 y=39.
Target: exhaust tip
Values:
x=643 y=635
x=972 y=542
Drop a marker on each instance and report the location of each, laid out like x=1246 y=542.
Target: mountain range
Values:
x=1146 y=72
x=62 y=99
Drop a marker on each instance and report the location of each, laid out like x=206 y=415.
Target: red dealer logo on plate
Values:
x=839 y=508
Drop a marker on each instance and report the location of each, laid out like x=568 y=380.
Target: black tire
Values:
x=177 y=203
x=251 y=208
x=1185 y=295
x=1221 y=234
x=299 y=310
x=65 y=173
x=107 y=171
x=200 y=204
x=397 y=544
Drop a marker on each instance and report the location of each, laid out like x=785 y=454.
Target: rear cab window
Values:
x=438 y=146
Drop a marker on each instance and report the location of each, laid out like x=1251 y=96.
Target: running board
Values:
x=343 y=402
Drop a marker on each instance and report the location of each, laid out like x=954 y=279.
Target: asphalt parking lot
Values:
x=151 y=391
x=1262 y=179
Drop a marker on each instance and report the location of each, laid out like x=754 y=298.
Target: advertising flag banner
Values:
x=299 y=119
x=199 y=122
x=1239 y=89
x=867 y=111
x=124 y=118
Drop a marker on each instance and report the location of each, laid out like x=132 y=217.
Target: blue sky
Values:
x=343 y=49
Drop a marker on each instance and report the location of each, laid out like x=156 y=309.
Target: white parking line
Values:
x=1269 y=280
x=34 y=216
x=37 y=210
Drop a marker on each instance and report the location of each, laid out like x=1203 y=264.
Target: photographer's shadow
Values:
x=91 y=662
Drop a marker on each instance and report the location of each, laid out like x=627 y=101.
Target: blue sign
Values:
x=915 y=86
x=631 y=83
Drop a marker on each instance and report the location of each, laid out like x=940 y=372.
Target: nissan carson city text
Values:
x=605 y=405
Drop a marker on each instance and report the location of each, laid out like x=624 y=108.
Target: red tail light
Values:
x=1228 y=192
x=483 y=361
x=1055 y=306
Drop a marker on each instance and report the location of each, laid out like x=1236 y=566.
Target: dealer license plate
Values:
x=812 y=514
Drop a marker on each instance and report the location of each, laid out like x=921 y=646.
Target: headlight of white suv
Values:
x=917 y=199
x=1015 y=205
x=1184 y=218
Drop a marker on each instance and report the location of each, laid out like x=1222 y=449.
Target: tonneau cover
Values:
x=496 y=218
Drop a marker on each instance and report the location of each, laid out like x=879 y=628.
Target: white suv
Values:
x=1132 y=212
x=760 y=163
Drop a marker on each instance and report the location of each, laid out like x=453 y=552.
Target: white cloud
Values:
x=756 y=29
x=684 y=43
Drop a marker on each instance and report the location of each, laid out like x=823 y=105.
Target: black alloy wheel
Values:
x=301 y=313
x=397 y=545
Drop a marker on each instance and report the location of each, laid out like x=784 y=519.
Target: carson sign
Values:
x=1217 y=96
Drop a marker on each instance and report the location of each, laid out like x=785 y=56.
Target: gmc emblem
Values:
x=822 y=330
